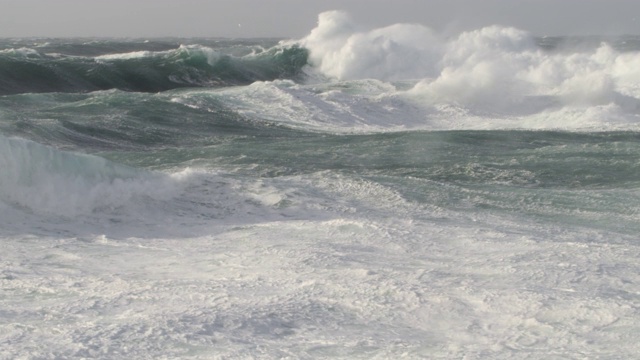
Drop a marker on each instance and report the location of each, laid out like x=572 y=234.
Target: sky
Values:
x=295 y=18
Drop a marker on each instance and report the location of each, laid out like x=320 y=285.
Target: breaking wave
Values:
x=46 y=180
x=496 y=69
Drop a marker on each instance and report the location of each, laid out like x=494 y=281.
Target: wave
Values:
x=493 y=69
x=43 y=179
x=340 y=78
x=27 y=70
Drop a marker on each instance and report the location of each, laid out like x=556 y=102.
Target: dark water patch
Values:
x=28 y=70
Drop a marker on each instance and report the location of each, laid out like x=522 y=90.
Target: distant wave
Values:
x=27 y=70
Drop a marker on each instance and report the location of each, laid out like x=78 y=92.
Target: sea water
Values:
x=358 y=193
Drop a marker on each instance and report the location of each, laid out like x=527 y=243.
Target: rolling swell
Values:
x=116 y=120
x=28 y=70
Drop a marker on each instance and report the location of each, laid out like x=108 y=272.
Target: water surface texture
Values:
x=355 y=194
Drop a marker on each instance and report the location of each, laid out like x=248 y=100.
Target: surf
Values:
x=492 y=77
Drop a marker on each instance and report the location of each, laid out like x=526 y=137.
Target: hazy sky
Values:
x=295 y=18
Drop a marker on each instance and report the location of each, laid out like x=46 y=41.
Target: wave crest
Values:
x=45 y=180
x=495 y=69
x=396 y=52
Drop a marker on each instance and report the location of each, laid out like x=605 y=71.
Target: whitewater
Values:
x=358 y=193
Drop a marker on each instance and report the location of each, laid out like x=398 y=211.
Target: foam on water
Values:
x=393 y=53
x=366 y=274
x=186 y=51
x=303 y=217
x=485 y=61
x=23 y=52
x=369 y=105
x=496 y=76
x=350 y=106
x=129 y=55
x=317 y=265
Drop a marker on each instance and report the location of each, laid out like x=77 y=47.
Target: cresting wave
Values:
x=491 y=71
x=475 y=62
x=27 y=70
x=45 y=180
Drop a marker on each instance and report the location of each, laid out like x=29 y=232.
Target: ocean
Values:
x=357 y=193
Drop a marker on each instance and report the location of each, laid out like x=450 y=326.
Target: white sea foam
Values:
x=129 y=55
x=211 y=55
x=393 y=53
x=21 y=52
x=495 y=71
x=378 y=276
x=101 y=260
x=318 y=265
x=369 y=105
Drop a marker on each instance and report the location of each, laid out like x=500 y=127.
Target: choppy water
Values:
x=352 y=194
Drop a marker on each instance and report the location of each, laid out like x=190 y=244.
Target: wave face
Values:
x=32 y=70
x=358 y=193
x=45 y=180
